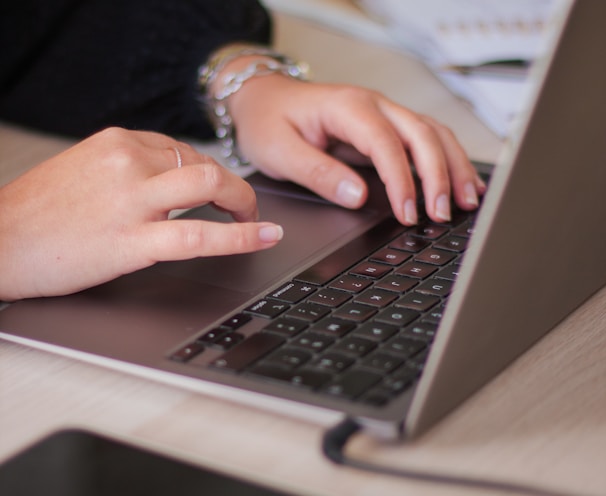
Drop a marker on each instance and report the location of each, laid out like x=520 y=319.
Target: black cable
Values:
x=333 y=447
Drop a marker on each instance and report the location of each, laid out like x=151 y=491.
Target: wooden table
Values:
x=542 y=421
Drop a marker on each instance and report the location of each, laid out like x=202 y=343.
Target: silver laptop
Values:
x=285 y=330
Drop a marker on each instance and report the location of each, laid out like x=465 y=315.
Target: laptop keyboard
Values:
x=358 y=324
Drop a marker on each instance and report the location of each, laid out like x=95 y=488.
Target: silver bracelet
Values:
x=216 y=103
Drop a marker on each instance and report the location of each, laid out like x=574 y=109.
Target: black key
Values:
x=212 y=336
x=292 y=292
x=329 y=297
x=421 y=330
x=187 y=352
x=352 y=384
x=435 y=315
x=236 y=321
x=375 y=331
x=416 y=269
x=349 y=283
x=309 y=312
x=333 y=327
x=313 y=379
x=313 y=341
x=248 y=351
x=267 y=308
x=397 y=283
x=351 y=253
x=397 y=316
x=288 y=357
x=355 y=346
x=400 y=380
x=465 y=230
x=408 y=243
x=435 y=257
x=429 y=231
x=417 y=301
x=355 y=312
x=228 y=340
x=404 y=347
x=390 y=257
x=370 y=269
x=376 y=297
x=450 y=272
x=286 y=327
x=332 y=362
x=382 y=362
x=436 y=287
x=452 y=243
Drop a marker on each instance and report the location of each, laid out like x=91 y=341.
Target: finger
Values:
x=466 y=183
x=314 y=169
x=185 y=239
x=199 y=184
x=362 y=124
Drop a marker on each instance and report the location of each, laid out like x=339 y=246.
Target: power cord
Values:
x=333 y=447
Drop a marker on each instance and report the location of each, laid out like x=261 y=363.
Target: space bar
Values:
x=340 y=260
x=248 y=351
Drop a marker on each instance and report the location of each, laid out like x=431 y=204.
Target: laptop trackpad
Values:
x=309 y=227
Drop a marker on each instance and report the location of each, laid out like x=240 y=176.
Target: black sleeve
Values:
x=77 y=66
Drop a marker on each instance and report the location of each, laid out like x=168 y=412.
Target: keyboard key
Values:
x=292 y=292
x=397 y=283
x=352 y=384
x=313 y=341
x=288 y=357
x=452 y=243
x=355 y=312
x=329 y=297
x=450 y=272
x=429 y=231
x=376 y=331
x=350 y=283
x=421 y=330
x=267 y=308
x=390 y=256
x=404 y=347
x=417 y=301
x=333 y=327
x=286 y=327
x=354 y=345
x=376 y=297
x=309 y=312
x=434 y=256
x=332 y=362
x=312 y=379
x=409 y=243
x=248 y=351
x=382 y=362
x=236 y=321
x=187 y=352
x=436 y=287
x=228 y=340
x=416 y=269
x=397 y=316
x=370 y=269
x=211 y=336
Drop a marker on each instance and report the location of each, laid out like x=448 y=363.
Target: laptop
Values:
x=251 y=328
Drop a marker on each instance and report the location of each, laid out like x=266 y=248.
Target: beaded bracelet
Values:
x=216 y=103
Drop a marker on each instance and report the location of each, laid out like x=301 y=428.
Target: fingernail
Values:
x=471 y=195
x=271 y=233
x=443 y=207
x=349 y=193
x=410 y=212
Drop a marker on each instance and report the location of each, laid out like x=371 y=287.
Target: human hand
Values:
x=289 y=128
x=100 y=209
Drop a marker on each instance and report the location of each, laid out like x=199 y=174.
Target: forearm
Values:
x=132 y=64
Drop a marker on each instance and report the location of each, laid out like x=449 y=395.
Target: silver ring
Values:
x=179 y=158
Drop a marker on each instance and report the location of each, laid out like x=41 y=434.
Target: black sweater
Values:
x=77 y=66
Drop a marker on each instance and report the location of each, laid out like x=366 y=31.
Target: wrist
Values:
x=226 y=72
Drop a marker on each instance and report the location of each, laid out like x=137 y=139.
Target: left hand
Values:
x=287 y=128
